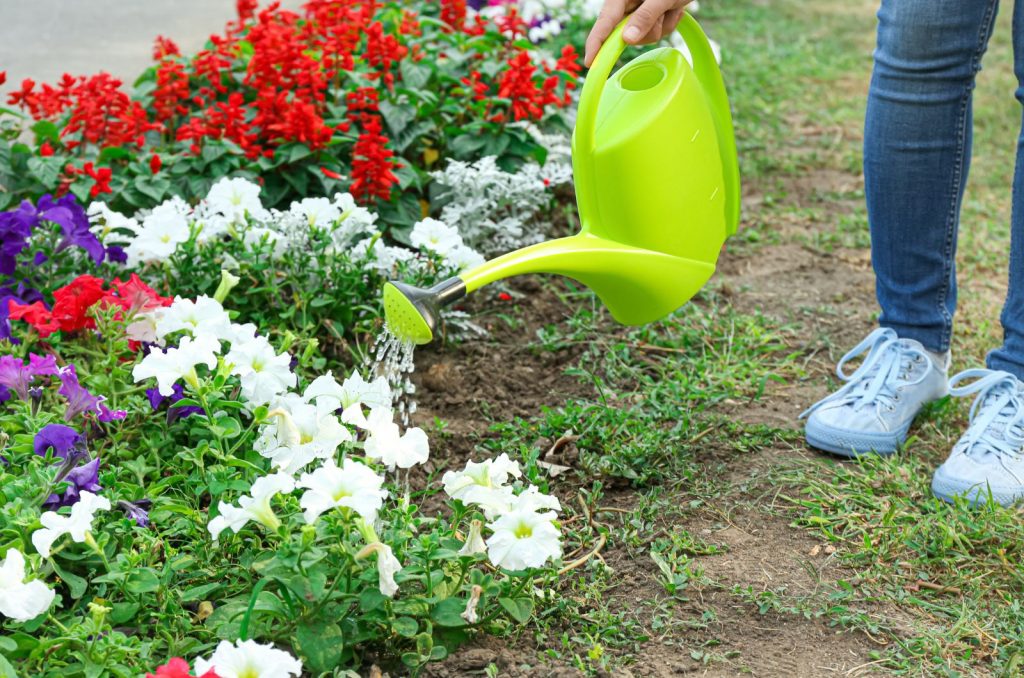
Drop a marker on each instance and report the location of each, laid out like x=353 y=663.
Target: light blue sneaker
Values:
x=873 y=411
x=990 y=454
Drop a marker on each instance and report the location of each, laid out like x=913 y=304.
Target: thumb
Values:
x=643 y=20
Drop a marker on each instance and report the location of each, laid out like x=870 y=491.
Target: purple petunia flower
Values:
x=64 y=440
x=173 y=413
x=74 y=224
x=15 y=228
x=85 y=477
x=81 y=401
x=16 y=375
x=137 y=510
x=117 y=254
x=69 y=446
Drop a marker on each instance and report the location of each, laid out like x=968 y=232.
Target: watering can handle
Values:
x=705 y=67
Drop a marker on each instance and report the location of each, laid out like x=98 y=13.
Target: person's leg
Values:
x=917 y=146
x=1010 y=356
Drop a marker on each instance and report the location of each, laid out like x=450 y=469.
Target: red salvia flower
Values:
x=45 y=150
x=453 y=13
x=517 y=85
x=372 y=165
x=511 y=24
x=163 y=48
x=155 y=163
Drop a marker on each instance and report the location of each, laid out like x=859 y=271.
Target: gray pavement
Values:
x=42 y=39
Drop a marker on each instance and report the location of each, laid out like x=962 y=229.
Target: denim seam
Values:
x=955 y=192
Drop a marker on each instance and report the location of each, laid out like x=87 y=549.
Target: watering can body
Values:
x=657 y=189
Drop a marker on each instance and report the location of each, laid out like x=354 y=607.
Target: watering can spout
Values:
x=657 y=187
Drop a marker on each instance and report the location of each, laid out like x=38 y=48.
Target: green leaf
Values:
x=200 y=592
x=321 y=644
x=406 y=627
x=113 y=153
x=414 y=75
x=155 y=188
x=371 y=599
x=6 y=670
x=46 y=130
x=465 y=145
x=45 y=170
x=123 y=612
x=226 y=427
x=76 y=585
x=142 y=580
x=397 y=117
x=7 y=645
x=449 y=613
x=519 y=608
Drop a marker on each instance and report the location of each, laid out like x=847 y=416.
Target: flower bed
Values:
x=354 y=96
x=182 y=488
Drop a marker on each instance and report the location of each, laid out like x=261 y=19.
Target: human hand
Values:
x=651 y=21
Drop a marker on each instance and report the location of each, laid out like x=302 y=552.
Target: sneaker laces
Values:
x=886 y=362
x=996 y=414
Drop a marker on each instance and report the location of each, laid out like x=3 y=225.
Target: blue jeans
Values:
x=917 y=149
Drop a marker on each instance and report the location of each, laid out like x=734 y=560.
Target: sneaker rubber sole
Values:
x=853 y=443
x=947 y=488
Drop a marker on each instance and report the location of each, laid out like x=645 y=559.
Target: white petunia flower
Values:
x=354 y=486
x=482 y=484
x=392 y=448
x=21 y=600
x=163 y=229
x=234 y=199
x=255 y=506
x=354 y=220
x=77 y=524
x=205 y=315
x=387 y=566
x=463 y=258
x=435 y=235
x=348 y=396
x=249 y=659
x=264 y=372
x=474 y=541
x=523 y=539
x=105 y=220
x=532 y=499
x=299 y=435
x=241 y=334
x=316 y=212
x=179 y=362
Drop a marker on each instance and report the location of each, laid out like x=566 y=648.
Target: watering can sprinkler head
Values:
x=657 y=187
x=413 y=313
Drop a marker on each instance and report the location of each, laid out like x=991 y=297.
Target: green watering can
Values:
x=657 y=188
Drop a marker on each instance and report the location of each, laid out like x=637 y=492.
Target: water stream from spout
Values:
x=392 y=358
